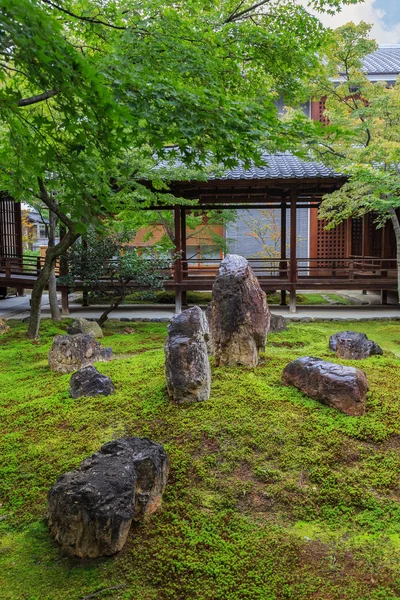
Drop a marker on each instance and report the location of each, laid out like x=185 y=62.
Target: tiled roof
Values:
x=280 y=166
x=385 y=60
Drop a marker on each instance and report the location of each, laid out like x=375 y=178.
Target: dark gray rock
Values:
x=72 y=352
x=277 y=323
x=352 y=345
x=344 y=388
x=92 y=508
x=89 y=382
x=85 y=326
x=187 y=367
x=240 y=316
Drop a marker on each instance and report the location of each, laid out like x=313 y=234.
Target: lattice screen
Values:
x=356 y=226
x=332 y=243
x=10 y=227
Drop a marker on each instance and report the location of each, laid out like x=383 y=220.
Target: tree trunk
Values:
x=396 y=227
x=103 y=318
x=54 y=308
x=43 y=279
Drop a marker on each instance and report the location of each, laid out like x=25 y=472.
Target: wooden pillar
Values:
x=384 y=253
x=283 y=250
x=365 y=240
x=64 y=271
x=184 y=255
x=178 y=260
x=293 y=257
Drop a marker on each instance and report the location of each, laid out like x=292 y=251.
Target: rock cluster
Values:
x=4 y=328
x=91 y=509
x=187 y=367
x=240 y=316
x=89 y=382
x=85 y=326
x=352 y=345
x=344 y=388
x=72 y=352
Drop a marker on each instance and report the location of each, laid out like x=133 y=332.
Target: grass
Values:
x=203 y=298
x=271 y=495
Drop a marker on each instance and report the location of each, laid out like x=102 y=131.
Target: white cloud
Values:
x=363 y=12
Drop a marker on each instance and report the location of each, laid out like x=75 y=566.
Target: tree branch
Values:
x=53 y=206
x=38 y=98
x=235 y=16
x=82 y=18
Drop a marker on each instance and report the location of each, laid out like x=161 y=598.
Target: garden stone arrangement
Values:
x=344 y=388
x=85 y=326
x=72 y=352
x=353 y=346
x=89 y=382
x=239 y=314
x=91 y=509
x=4 y=328
x=187 y=366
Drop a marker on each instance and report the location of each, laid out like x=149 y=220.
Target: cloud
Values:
x=383 y=14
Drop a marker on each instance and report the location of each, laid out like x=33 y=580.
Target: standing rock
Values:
x=89 y=382
x=209 y=342
x=344 y=388
x=240 y=316
x=91 y=509
x=352 y=345
x=85 y=326
x=277 y=323
x=72 y=352
x=187 y=367
x=4 y=328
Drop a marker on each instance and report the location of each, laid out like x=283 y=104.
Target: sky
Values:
x=384 y=14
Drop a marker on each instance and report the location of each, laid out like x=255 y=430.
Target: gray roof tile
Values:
x=280 y=166
x=385 y=60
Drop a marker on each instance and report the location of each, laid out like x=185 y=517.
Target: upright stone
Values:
x=352 y=345
x=187 y=367
x=344 y=388
x=72 y=352
x=277 y=324
x=91 y=509
x=4 y=328
x=240 y=316
x=85 y=326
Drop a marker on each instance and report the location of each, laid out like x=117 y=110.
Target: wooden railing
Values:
x=269 y=271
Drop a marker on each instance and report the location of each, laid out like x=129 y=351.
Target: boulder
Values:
x=240 y=317
x=277 y=323
x=209 y=342
x=4 y=328
x=187 y=367
x=344 y=388
x=91 y=509
x=72 y=352
x=89 y=382
x=352 y=345
x=85 y=326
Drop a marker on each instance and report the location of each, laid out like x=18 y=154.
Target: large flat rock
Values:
x=341 y=387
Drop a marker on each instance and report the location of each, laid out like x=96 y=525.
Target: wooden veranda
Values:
x=339 y=268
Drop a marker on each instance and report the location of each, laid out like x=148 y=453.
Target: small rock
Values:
x=277 y=323
x=4 y=328
x=89 y=382
x=352 y=345
x=92 y=508
x=344 y=388
x=85 y=326
x=239 y=314
x=72 y=352
x=187 y=367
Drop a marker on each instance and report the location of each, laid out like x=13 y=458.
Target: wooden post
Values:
x=384 y=273
x=178 y=260
x=293 y=257
x=63 y=270
x=283 y=250
x=184 y=256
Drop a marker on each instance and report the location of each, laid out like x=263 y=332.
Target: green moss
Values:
x=271 y=495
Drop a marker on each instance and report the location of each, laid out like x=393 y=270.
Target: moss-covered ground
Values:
x=271 y=495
